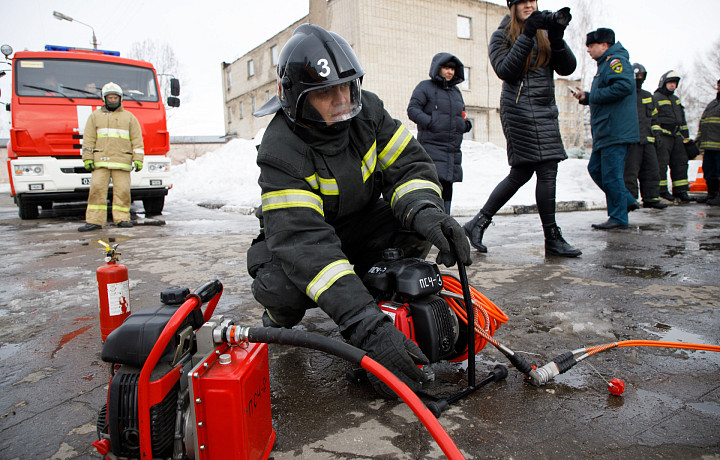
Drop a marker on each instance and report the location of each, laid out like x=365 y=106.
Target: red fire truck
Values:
x=53 y=93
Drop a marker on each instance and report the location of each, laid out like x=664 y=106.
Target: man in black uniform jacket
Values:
x=341 y=181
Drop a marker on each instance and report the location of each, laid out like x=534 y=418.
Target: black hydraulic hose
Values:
x=307 y=340
x=238 y=334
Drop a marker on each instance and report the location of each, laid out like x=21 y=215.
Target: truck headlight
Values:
x=28 y=170
x=159 y=167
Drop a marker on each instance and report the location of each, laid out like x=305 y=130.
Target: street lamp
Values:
x=61 y=17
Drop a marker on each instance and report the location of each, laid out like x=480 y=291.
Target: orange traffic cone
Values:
x=699 y=185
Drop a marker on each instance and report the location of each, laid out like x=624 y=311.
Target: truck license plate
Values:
x=85 y=181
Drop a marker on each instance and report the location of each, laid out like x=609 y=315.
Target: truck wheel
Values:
x=27 y=211
x=153 y=206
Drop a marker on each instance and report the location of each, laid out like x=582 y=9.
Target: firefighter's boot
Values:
x=713 y=196
x=664 y=194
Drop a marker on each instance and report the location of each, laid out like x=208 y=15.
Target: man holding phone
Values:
x=614 y=122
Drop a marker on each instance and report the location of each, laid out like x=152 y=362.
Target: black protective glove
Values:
x=434 y=224
x=388 y=346
x=533 y=23
x=468 y=126
x=691 y=149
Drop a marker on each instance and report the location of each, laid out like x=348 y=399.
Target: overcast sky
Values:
x=661 y=34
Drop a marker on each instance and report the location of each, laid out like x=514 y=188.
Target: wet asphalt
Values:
x=657 y=280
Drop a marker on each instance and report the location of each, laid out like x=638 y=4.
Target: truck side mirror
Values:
x=173 y=101
x=174 y=87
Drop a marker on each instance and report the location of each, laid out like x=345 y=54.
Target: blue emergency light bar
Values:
x=72 y=48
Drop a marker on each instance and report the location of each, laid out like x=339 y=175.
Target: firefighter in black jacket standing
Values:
x=641 y=162
x=671 y=151
x=327 y=157
x=708 y=139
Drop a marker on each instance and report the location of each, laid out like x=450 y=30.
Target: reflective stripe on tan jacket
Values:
x=112 y=140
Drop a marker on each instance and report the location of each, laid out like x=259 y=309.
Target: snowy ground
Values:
x=227 y=178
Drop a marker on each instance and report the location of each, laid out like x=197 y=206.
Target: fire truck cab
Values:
x=53 y=94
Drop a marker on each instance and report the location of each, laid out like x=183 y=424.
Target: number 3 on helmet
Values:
x=314 y=59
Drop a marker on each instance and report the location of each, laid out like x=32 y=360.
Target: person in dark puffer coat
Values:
x=525 y=57
x=438 y=109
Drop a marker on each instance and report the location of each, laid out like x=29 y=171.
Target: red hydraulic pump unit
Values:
x=113 y=291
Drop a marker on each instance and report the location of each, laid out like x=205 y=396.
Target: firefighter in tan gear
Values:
x=112 y=147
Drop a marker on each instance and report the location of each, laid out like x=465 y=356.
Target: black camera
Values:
x=560 y=17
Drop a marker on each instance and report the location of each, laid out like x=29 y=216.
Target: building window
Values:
x=228 y=78
x=252 y=102
x=465 y=85
x=229 y=115
x=241 y=115
x=274 y=55
x=572 y=124
x=463 y=27
x=267 y=95
x=251 y=68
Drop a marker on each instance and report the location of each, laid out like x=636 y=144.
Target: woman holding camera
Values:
x=524 y=51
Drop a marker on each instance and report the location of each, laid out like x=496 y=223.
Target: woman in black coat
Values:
x=438 y=109
x=525 y=56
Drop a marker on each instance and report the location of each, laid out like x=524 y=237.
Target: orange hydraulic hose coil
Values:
x=488 y=317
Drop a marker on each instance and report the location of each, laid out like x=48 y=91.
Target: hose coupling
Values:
x=232 y=335
x=561 y=364
x=541 y=376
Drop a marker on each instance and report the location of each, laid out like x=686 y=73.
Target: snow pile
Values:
x=227 y=179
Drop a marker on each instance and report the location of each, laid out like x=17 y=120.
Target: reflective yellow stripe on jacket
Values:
x=325 y=186
x=394 y=148
x=113 y=132
x=412 y=185
x=327 y=276
x=112 y=165
x=388 y=155
x=291 y=198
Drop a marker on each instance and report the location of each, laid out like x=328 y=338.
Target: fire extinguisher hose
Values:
x=358 y=357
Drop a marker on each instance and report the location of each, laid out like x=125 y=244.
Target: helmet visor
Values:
x=330 y=104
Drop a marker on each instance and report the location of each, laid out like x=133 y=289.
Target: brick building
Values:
x=395 y=41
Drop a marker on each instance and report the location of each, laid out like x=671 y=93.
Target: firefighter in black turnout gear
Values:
x=641 y=162
x=341 y=181
x=671 y=152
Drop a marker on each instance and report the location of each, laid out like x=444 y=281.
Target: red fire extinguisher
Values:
x=113 y=291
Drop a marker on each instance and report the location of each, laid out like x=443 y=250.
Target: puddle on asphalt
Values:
x=668 y=333
x=9 y=349
x=707 y=407
x=651 y=272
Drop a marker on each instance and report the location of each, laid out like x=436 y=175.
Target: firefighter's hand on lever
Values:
x=384 y=343
x=437 y=227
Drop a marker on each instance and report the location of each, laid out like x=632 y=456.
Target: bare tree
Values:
x=698 y=85
x=162 y=57
x=582 y=22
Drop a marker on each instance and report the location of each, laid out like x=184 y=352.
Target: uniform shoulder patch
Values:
x=616 y=66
